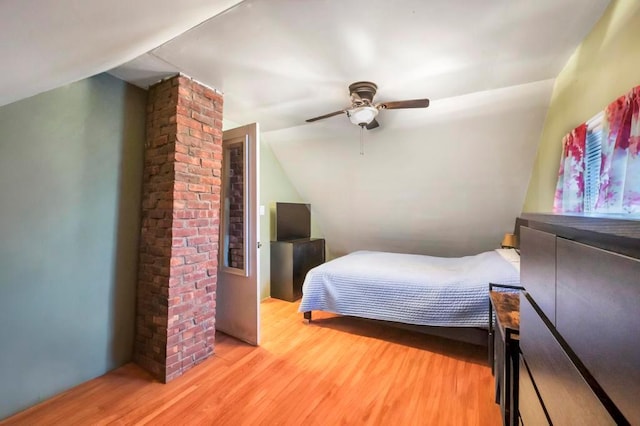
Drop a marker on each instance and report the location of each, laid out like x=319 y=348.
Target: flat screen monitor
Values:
x=293 y=221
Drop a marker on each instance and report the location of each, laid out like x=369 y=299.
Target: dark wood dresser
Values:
x=579 y=320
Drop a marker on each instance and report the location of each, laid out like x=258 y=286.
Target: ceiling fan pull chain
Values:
x=362 y=139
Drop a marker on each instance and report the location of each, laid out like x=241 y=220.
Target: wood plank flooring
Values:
x=334 y=371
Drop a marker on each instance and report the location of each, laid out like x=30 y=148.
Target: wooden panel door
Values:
x=238 y=292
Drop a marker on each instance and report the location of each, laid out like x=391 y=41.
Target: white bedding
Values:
x=408 y=288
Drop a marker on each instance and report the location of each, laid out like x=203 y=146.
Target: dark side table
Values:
x=504 y=344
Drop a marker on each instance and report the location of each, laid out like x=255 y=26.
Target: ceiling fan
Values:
x=363 y=111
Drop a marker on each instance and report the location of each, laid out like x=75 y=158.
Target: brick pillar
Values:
x=176 y=296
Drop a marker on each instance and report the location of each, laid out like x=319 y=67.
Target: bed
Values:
x=410 y=289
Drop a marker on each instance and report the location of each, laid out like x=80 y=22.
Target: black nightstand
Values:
x=290 y=262
x=504 y=344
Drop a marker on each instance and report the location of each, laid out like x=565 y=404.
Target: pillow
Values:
x=510 y=255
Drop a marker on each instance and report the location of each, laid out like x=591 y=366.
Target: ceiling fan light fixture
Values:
x=363 y=111
x=362 y=115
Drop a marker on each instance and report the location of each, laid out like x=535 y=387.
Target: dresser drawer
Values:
x=538 y=268
x=529 y=406
x=567 y=397
x=598 y=315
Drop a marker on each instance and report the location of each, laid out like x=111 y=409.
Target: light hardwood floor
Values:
x=334 y=371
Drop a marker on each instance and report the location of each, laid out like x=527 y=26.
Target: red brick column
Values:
x=176 y=297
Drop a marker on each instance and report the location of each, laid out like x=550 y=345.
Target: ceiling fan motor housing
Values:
x=366 y=90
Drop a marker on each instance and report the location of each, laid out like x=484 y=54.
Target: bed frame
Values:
x=473 y=335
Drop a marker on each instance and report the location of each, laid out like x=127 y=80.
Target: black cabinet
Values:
x=290 y=262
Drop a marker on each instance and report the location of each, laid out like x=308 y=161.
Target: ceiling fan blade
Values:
x=373 y=124
x=326 y=116
x=414 y=103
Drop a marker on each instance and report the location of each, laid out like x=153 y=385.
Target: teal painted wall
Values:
x=70 y=185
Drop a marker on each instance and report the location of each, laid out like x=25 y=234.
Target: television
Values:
x=293 y=221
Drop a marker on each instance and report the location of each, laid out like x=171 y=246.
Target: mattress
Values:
x=408 y=288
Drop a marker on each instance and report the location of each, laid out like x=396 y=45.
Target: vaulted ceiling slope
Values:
x=46 y=44
x=447 y=180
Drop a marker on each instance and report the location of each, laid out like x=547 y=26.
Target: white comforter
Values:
x=408 y=288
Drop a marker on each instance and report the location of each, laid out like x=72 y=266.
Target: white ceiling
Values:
x=46 y=44
x=279 y=62
x=445 y=180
